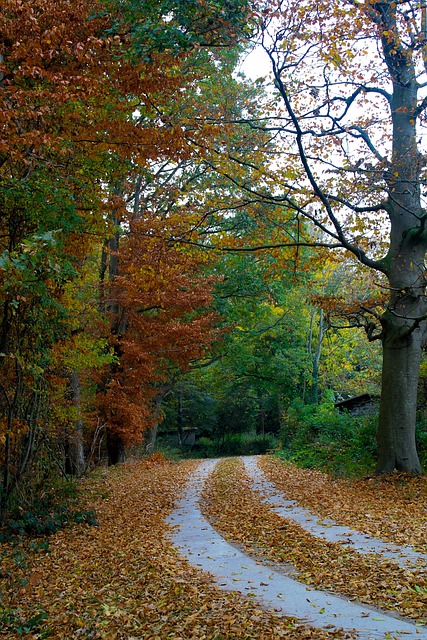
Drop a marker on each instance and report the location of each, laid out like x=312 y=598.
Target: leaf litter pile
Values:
x=237 y=512
x=123 y=578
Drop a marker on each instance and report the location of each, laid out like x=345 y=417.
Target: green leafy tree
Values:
x=349 y=113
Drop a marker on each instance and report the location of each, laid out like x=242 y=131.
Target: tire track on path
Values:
x=326 y=528
x=233 y=570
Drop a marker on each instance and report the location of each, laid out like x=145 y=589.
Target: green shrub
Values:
x=47 y=513
x=232 y=445
x=205 y=448
x=258 y=444
x=321 y=436
x=10 y=620
x=237 y=444
x=421 y=435
x=43 y=519
x=169 y=448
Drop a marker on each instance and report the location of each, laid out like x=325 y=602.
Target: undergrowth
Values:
x=46 y=513
x=319 y=436
x=237 y=444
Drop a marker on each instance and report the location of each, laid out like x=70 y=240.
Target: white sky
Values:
x=256 y=64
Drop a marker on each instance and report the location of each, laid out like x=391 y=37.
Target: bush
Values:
x=47 y=513
x=169 y=450
x=258 y=444
x=321 y=436
x=205 y=448
x=44 y=519
x=421 y=435
x=238 y=444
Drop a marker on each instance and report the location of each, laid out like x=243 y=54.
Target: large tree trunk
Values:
x=397 y=419
x=403 y=339
x=403 y=324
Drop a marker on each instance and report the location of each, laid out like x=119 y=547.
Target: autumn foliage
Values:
x=88 y=103
x=124 y=579
x=163 y=300
x=229 y=497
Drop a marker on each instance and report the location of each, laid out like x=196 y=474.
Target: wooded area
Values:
x=186 y=249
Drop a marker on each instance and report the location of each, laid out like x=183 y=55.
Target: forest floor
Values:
x=130 y=578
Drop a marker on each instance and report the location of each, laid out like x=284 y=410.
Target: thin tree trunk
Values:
x=151 y=434
x=151 y=437
x=4 y=497
x=316 y=362
x=180 y=421
x=75 y=461
x=116 y=448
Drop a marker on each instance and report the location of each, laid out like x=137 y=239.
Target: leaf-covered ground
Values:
x=123 y=579
x=393 y=508
x=236 y=510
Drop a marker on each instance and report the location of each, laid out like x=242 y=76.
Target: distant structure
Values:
x=188 y=438
x=359 y=405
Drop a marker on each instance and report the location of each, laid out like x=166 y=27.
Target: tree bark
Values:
x=75 y=458
x=403 y=323
x=316 y=362
x=116 y=448
x=151 y=434
x=396 y=426
x=151 y=437
x=180 y=421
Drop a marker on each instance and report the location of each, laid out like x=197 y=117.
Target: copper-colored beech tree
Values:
x=83 y=92
x=350 y=111
x=162 y=321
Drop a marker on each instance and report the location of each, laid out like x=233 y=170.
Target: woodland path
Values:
x=234 y=570
x=326 y=528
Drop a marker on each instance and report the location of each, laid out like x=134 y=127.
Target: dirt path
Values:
x=234 y=570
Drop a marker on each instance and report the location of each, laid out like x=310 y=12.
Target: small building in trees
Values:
x=359 y=405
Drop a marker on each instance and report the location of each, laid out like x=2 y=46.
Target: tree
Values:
x=261 y=361
x=163 y=298
x=157 y=299
x=348 y=76
x=82 y=85
x=342 y=295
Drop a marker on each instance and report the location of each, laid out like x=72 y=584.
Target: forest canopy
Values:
x=182 y=247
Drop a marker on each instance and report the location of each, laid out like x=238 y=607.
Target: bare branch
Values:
x=357 y=251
